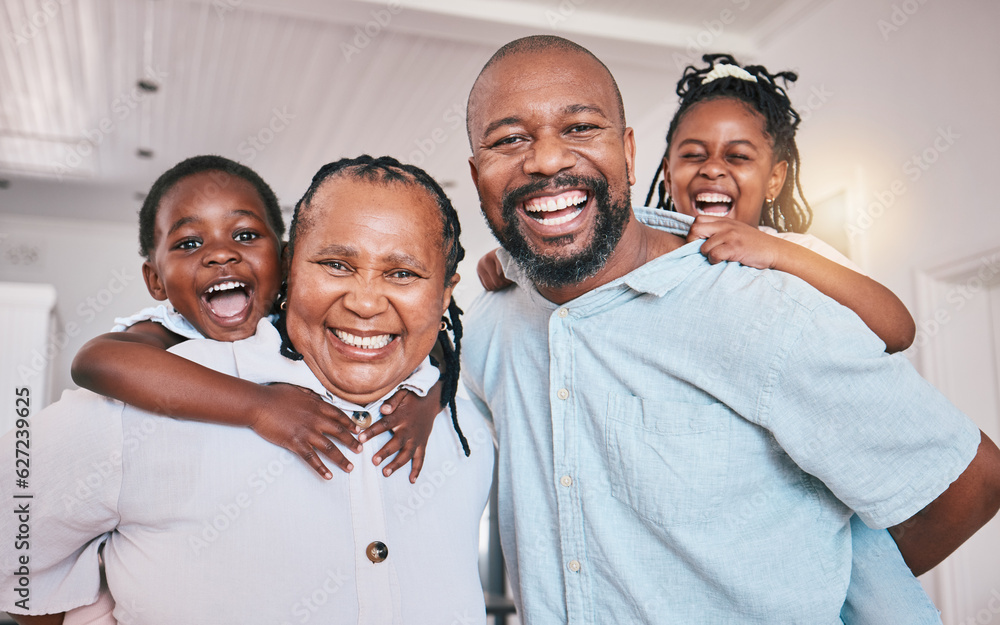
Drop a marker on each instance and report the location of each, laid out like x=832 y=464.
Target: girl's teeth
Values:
x=714 y=198
x=364 y=342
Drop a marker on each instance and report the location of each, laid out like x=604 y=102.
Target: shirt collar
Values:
x=653 y=277
x=258 y=359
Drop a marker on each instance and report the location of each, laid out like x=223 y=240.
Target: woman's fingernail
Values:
x=387 y=472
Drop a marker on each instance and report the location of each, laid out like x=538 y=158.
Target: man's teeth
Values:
x=555 y=221
x=552 y=204
x=226 y=286
x=364 y=342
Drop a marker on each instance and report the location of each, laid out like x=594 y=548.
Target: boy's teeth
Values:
x=364 y=342
x=227 y=286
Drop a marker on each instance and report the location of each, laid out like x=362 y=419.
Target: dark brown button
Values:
x=362 y=418
x=377 y=551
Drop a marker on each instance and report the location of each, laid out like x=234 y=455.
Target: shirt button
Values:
x=563 y=312
x=566 y=481
x=362 y=418
x=574 y=565
x=562 y=394
x=377 y=551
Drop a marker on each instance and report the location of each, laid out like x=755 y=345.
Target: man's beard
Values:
x=559 y=271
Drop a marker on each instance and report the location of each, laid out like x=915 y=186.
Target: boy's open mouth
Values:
x=228 y=300
x=716 y=204
x=557 y=209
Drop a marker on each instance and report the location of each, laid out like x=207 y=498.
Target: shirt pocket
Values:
x=669 y=460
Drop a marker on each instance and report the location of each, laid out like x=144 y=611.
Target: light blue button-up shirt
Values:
x=687 y=443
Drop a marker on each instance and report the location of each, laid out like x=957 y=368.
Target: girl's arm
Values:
x=491 y=273
x=878 y=307
x=134 y=367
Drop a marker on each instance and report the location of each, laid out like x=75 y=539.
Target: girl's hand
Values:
x=491 y=273
x=728 y=239
x=410 y=418
x=301 y=421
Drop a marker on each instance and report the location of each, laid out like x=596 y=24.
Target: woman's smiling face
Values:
x=721 y=162
x=366 y=285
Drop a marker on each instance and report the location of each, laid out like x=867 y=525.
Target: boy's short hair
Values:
x=197 y=165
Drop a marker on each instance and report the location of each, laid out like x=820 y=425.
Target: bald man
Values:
x=681 y=441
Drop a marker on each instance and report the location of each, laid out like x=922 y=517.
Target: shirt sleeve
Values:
x=166 y=317
x=881 y=438
x=65 y=506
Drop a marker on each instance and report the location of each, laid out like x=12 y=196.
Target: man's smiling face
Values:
x=552 y=162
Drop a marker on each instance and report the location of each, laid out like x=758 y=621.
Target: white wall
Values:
x=95 y=268
x=884 y=82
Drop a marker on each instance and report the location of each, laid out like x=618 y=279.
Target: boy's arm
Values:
x=970 y=502
x=876 y=305
x=48 y=619
x=134 y=367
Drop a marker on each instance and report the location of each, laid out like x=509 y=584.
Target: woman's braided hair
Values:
x=387 y=170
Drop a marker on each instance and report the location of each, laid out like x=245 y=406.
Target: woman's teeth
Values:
x=364 y=342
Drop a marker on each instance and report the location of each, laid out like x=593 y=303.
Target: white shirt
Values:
x=212 y=524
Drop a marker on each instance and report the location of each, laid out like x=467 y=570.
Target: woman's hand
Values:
x=302 y=422
x=410 y=418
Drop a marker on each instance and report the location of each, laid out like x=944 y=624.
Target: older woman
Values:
x=237 y=531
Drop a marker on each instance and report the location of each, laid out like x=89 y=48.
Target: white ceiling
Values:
x=287 y=86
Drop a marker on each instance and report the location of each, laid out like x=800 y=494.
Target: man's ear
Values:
x=153 y=282
x=630 y=154
x=474 y=172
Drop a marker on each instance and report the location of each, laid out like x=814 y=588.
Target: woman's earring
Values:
x=444 y=325
x=284 y=304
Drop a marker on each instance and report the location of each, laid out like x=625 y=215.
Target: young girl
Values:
x=732 y=163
